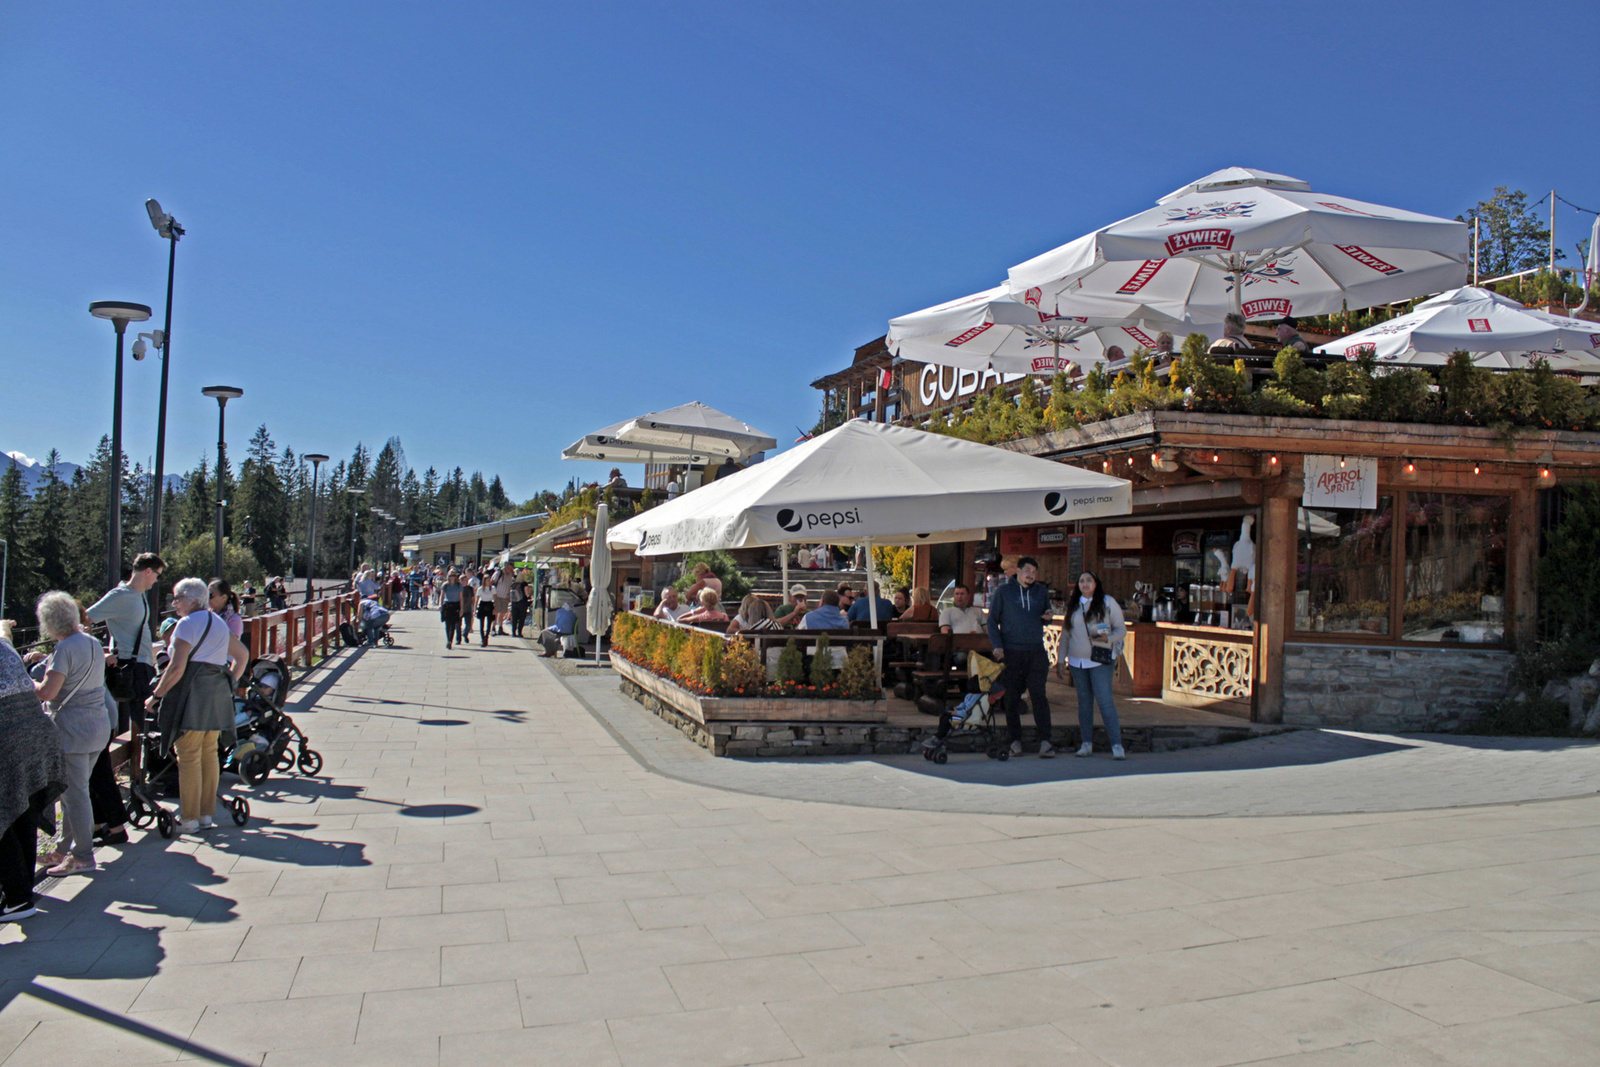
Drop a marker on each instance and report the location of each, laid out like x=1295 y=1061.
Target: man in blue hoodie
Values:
x=1016 y=630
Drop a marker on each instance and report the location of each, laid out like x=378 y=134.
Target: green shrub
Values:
x=711 y=666
x=791 y=665
x=822 y=672
x=858 y=680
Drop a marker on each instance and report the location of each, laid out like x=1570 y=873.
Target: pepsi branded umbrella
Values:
x=1254 y=243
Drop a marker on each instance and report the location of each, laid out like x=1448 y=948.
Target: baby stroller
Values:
x=264 y=732
x=974 y=716
x=155 y=775
x=373 y=620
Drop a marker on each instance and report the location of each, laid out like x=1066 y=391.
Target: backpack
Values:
x=347 y=634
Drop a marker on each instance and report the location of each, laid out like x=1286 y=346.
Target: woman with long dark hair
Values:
x=1095 y=633
x=453 y=597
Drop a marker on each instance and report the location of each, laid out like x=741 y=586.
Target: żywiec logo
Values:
x=1272 y=305
x=1139 y=336
x=1479 y=326
x=1367 y=259
x=1594 y=340
x=792 y=520
x=1142 y=276
x=1208 y=240
x=961 y=339
x=1033 y=296
x=1046 y=363
x=1348 y=210
x=1357 y=351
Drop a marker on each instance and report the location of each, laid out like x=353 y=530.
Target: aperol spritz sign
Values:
x=1340 y=482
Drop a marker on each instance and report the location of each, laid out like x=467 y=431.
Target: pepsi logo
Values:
x=1055 y=503
x=789 y=520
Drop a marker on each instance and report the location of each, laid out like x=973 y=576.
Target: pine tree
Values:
x=426 y=518
x=198 y=505
x=42 y=528
x=20 y=578
x=497 y=499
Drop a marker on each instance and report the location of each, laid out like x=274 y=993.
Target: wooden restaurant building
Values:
x=1296 y=570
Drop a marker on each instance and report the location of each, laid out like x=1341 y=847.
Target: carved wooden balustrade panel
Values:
x=1219 y=670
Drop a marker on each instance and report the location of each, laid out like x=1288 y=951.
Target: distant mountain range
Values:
x=34 y=471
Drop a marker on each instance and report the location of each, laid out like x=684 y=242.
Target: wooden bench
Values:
x=941 y=671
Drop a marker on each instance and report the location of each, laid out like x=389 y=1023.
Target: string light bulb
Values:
x=1544 y=472
x=1476 y=469
x=1341 y=463
x=1214 y=457
x=1273 y=461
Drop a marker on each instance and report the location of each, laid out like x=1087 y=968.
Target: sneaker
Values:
x=17 y=912
x=1117 y=753
x=205 y=822
x=53 y=859
x=188 y=826
x=70 y=865
x=1085 y=749
x=1016 y=748
x=1047 y=750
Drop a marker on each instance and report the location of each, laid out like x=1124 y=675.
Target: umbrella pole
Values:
x=872 y=609
x=783 y=550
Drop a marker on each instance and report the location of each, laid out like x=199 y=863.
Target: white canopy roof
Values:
x=1497 y=331
x=868 y=481
x=605 y=446
x=1298 y=252
x=694 y=427
x=991 y=330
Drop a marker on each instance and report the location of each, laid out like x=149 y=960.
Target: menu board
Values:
x=1075 y=555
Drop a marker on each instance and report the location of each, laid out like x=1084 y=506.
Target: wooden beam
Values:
x=1276 y=556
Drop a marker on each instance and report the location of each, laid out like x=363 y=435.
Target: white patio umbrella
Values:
x=878 y=484
x=601 y=607
x=1496 y=330
x=694 y=427
x=1297 y=252
x=990 y=330
x=604 y=446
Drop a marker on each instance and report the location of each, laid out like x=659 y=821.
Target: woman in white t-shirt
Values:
x=486 y=611
x=195 y=694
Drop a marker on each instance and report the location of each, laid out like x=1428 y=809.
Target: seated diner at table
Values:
x=921 y=609
x=860 y=609
x=1232 y=339
x=754 y=615
x=1288 y=334
x=796 y=609
x=962 y=617
x=671 y=608
x=826 y=615
x=710 y=610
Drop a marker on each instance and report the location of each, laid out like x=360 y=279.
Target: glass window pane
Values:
x=1455 y=567
x=1344 y=569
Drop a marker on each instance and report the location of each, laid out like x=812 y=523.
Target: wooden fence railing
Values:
x=299 y=634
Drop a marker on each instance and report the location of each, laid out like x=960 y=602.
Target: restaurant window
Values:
x=1455 y=567
x=1344 y=569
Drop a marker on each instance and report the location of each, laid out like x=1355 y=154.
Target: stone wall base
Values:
x=1390 y=690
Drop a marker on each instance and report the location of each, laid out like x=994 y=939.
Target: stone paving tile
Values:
x=574 y=904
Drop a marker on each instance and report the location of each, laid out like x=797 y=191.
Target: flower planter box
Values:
x=708 y=709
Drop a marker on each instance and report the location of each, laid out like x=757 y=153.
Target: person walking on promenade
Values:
x=452 y=598
x=1016 y=630
x=224 y=603
x=502 y=597
x=74 y=689
x=486 y=607
x=33 y=773
x=519 y=606
x=1093 y=644
x=130 y=674
x=195 y=694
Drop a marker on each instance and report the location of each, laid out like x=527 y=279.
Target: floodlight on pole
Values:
x=120 y=313
x=317 y=460
x=170 y=231
x=221 y=394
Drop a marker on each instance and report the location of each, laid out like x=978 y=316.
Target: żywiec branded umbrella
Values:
x=1495 y=330
x=694 y=427
x=600 y=607
x=879 y=484
x=605 y=446
x=1259 y=244
x=990 y=330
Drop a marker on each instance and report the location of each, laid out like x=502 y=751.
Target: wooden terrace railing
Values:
x=301 y=634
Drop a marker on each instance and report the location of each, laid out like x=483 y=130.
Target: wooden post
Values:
x=1522 y=584
x=322 y=608
x=288 y=636
x=1276 y=554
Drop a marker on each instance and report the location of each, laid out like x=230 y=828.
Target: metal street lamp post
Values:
x=167 y=227
x=120 y=313
x=317 y=460
x=221 y=394
x=353 y=494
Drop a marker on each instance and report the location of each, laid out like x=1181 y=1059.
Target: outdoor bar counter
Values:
x=1210 y=667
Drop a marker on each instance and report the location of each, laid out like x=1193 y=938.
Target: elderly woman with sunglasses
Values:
x=195 y=693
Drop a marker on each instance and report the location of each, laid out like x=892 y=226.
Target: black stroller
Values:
x=974 y=716
x=263 y=731
x=155 y=775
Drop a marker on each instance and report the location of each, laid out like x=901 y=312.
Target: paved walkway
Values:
x=487 y=875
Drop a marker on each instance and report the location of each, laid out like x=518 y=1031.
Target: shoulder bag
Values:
x=131 y=680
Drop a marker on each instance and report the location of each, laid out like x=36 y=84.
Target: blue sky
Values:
x=491 y=228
